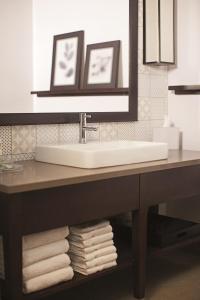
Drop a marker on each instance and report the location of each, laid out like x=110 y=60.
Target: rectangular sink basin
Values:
x=102 y=154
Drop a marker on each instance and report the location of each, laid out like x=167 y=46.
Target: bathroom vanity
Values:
x=46 y=196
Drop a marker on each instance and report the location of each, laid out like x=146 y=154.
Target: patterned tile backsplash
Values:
x=18 y=142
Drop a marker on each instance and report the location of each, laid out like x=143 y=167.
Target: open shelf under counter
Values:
x=185 y=89
x=179 y=244
x=125 y=260
x=83 y=92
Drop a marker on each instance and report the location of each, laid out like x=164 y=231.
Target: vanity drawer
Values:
x=51 y=208
x=169 y=185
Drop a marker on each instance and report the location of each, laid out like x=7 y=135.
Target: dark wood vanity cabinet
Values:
x=48 y=196
x=40 y=210
x=169 y=185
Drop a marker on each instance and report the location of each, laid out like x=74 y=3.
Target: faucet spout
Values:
x=83 y=128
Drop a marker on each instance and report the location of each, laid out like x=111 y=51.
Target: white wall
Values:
x=102 y=21
x=185 y=110
x=15 y=56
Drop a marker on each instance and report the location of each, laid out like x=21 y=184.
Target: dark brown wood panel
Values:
x=12 y=243
x=51 y=208
x=169 y=185
x=83 y=92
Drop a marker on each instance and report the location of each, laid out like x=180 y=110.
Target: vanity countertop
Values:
x=38 y=175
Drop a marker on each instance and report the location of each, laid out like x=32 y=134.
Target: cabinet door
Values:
x=79 y=203
x=169 y=185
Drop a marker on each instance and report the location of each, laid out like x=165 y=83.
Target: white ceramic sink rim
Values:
x=102 y=154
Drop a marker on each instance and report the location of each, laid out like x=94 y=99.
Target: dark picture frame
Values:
x=68 y=66
x=96 y=66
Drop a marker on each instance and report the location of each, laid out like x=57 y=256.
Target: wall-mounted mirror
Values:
x=28 y=27
x=159 y=44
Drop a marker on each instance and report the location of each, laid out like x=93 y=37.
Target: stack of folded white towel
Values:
x=45 y=262
x=92 y=248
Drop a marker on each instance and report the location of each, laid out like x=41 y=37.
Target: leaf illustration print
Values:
x=70 y=72
x=62 y=65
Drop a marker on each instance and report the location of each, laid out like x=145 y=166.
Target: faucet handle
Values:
x=88 y=116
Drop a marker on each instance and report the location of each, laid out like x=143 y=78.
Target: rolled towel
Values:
x=81 y=263
x=91 y=234
x=93 y=241
x=87 y=227
x=48 y=280
x=44 y=238
x=94 y=254
x=95 y=269
x=86 y=250
x=43 y=252
x=46 y=266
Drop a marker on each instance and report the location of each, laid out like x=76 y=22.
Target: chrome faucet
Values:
x=83 y=128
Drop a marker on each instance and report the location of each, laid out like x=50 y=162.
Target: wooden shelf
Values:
x=180 y=244
x=185 y=89
x=83 y=92
x=125 y=260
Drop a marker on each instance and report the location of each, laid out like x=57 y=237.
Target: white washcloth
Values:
x=81 y=263
x=94 y=254
x=45 y=237
x=93 y=241
x=91 y=234
x=48 y=280
x=46 y=266
x=43 y=252
x=87 y=227
x=86 y=250
x=95 y=269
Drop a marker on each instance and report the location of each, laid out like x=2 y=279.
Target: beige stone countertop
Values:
x=36 y=175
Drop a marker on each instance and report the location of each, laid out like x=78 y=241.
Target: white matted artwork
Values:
x=65 y=64
x=67 y=60
x=102 y=64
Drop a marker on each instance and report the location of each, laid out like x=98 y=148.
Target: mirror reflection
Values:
x=26 y=51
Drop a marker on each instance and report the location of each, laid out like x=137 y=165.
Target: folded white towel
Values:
x=94 y=254
x=91 y=234
x=48 y=280
x=86 y=250
x=93 y=241
x=87 y=227
x=46 y=266
x=81 y=263
x=95 y=269
x=45 y=237
x=43 y=252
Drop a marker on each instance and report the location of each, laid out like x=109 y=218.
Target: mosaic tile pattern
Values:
x=68 y=133
x=47 y=134
x=158 y=86
x=126 y=131
x=108 y=132
x=6 y=139
x=23 y=139
x=157 y=107
x=144 y=81
x=143 y=131
x=19 y=142
x=144 y=109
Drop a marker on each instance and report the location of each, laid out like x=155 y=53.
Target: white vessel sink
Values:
x=105 y=154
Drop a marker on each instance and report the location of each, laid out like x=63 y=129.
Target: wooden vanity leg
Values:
x=140 y=251
x=12 y=240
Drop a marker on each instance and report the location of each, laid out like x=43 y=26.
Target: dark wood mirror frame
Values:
x=7 y=119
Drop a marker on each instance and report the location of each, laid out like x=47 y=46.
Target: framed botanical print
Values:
x=67 y=61
x=102 y=65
